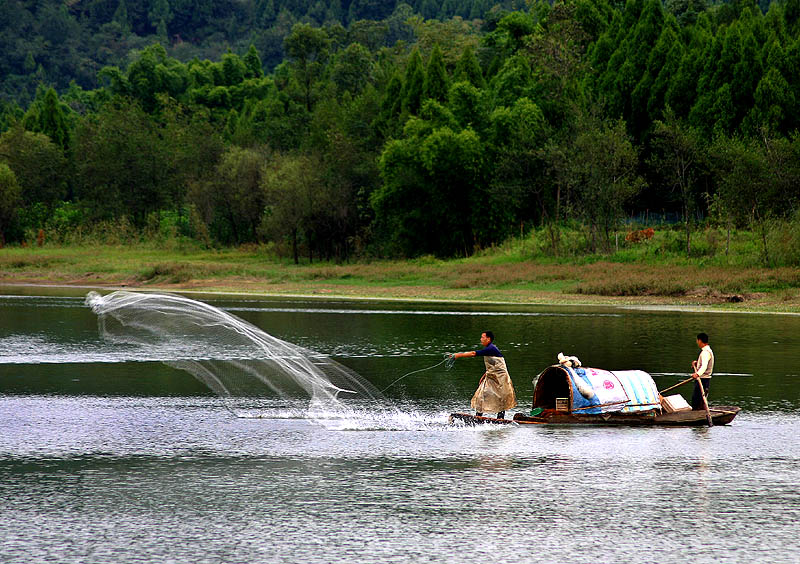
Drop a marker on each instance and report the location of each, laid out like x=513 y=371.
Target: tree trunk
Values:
x=688 y=239
x=728 y=241
x=554 y=234
x=764 y=242
x=294 y=246
x=232 y=219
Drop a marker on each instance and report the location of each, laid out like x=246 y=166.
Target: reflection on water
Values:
x=106 y=456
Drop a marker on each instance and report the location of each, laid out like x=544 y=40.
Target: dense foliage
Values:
x=381 y=130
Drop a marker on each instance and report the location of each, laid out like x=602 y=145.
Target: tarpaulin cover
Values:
x=602 y=391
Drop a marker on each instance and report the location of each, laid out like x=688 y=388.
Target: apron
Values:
x=495 y=391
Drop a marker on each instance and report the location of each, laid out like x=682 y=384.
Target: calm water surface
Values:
x=108 y=455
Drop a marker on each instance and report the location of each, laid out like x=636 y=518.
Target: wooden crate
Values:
x=562 y=404
x=672 y=404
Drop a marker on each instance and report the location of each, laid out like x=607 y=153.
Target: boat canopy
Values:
x=591 y=391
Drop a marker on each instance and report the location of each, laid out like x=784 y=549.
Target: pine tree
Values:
x=468 y=69
x=121 y=17
x=253 y=63
x=773 y=102
x=658 y=94
x=231 y=124
x=435 y=86
x=448 y=9
x=51 y=121
x=746 y=74
x=478 y=9
x=160 y=15
x=429 y=9
x=413 y=83
x=335 y=12
x=391 y=107
x=791 y=11
x=682 y=91
x=265 y=13
x=233 y=69
x=656 y=64
x=30 y=63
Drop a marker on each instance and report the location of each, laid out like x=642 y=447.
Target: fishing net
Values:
x=249 y=369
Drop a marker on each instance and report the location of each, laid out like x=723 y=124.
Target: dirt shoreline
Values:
x=410 y=294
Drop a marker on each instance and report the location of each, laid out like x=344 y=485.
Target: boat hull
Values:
x=720 y=415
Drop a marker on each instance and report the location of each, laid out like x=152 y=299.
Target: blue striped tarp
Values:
x=597 y=391
x=641 y=389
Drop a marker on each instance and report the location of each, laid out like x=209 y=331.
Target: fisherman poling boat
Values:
x=577 y=395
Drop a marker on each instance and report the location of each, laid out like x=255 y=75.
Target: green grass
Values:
x=518 y=270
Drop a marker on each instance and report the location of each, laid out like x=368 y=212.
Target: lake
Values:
x=109 y=455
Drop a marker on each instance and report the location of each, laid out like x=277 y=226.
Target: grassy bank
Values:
x=512 y=273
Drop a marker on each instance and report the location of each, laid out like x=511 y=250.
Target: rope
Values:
x=448 y=361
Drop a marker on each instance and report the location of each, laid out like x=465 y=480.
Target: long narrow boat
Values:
x=589 y=396
x=720 y=415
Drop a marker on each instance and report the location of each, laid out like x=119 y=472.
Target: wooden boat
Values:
x=564 y=396
x=720 y=415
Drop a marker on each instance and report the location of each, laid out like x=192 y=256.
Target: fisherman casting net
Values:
x=245 y=366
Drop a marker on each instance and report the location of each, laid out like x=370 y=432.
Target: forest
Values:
x=334 y=130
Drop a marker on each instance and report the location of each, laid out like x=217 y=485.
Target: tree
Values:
x=681 y=93
x=307 y=50
x=276 y=120
x=160 y=15
x=233 y=69
x=515 y=80
x=145 y=77
x=353 y=68
x=291 y=184
x=774 y=102
x=677 y=156
x=445 y=170
x=48 y=117
x=468 y=106
x=38 y=163
x=9 y=199
x=742 y=194
x=370 y=34
x=686 y=11
x=391 y=107
x=265 y=13
x=121 y=17
x=435 y=85
x=413 y=84
x=556 y=51
x=604 y=163
x=252 y=62
x=133 y=164
x=231 y=199
x=757 y=181
x=518 y=134
x=669 y=44
x=468 y=69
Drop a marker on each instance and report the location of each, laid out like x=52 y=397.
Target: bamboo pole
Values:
x=705 y=402
x=676 y=385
